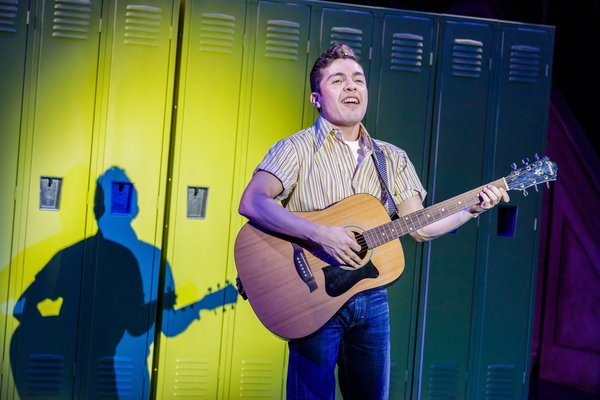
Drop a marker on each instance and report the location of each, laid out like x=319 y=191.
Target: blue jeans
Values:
x=357 y=337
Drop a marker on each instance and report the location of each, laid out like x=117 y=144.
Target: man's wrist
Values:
x=476 y=211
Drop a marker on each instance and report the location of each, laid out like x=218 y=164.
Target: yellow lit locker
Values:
x=274 y=108
x=13 y=37
x=122 y=278
x=201 y=199
x=54 y=159
x=404 y=108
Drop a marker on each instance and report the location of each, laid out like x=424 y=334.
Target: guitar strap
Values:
x=379 y=160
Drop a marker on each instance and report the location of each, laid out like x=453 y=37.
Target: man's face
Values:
x=344 y=96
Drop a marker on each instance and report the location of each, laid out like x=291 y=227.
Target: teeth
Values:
x=350 y=100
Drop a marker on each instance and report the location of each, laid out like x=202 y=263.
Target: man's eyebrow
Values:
x=334 y=74
x=357 y=73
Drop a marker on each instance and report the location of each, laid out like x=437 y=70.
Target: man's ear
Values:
x=314 y=99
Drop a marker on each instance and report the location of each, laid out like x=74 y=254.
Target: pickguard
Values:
x=338 y=279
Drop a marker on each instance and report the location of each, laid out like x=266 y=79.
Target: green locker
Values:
x=406 y=90
x=403 y=111
x=54 y=154
x=13 y=37
x=202 y=202
x=457 y=163
x=353 y=26
x=123 y=255
x=349 y=24
x=272 y=108
x=506 y=284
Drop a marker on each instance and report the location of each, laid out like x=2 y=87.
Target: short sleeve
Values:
x=406 y=180
x=282 y=161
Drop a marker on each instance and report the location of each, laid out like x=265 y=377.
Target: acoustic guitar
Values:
x=294 y=289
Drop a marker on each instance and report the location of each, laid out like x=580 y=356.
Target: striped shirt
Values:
x=317 y=169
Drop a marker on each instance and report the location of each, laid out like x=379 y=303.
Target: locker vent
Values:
x=443 y=381
x=467 y=58
x=72 y=19
x=115 y=377
x=142 y=25
x=283 y=39
x=8 y=15
x=217 y=33
x=191 y=378
x=351 y=36
x=398 y=380
x=45 y=374
x=524 y=64
x=407 y=52
x=500 y=382
x=257 y=379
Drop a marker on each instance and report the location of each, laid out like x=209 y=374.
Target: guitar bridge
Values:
x=303 y=269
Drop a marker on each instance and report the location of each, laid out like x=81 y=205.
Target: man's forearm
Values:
x=443 y=226
x=269 y=214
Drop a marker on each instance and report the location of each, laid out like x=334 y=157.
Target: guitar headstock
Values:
x=540 y=171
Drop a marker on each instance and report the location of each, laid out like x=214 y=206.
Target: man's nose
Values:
x=350 y=85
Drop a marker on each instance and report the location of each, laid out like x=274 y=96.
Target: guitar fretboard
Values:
x=411 y=222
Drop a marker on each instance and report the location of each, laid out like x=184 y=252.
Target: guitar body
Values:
x=284 y=302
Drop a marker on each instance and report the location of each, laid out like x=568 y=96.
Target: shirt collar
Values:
x=323 y=128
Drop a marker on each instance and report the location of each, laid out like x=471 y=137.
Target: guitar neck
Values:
x=411 y=222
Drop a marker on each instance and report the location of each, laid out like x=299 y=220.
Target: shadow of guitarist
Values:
x=92 y=309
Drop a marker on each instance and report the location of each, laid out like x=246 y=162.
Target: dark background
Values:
x=575 y=66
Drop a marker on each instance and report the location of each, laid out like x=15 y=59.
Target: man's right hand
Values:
x=339 y=243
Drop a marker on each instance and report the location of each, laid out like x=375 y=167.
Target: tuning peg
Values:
x=209 y=289
x=525 y=193
x=513 y=166
x=548 y=185
x=537 y=157
x=535 y=186
x=525 y=160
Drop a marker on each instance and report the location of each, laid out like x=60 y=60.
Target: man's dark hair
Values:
x=334 y=52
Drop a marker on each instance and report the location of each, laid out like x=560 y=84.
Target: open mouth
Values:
x=351 y=100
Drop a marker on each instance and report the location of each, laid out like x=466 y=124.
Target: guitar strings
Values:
x=362 y=242
x=389 y=231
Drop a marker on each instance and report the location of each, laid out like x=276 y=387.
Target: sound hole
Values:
x=363 y=245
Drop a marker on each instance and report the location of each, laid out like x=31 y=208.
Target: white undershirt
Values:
x=355 y=150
